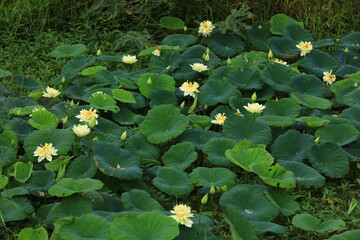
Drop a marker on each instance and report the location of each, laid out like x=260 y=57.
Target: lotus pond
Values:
x=208 y=135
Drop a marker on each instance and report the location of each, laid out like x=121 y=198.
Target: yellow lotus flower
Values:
x=81 y=130
x=189 y=88
x=45 y=151
x=281 y=62
x=206 y=28
x=329 y=78
x=199 y=67
x=87 y=115
x=304 y=47
x=128 y=59
x=182 y=215
x=219 y=119
x=156 y=52
x=254 y=107
x=51 y=93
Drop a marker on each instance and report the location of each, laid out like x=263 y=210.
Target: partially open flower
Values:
x=206 y=28
x=254 y=107
x=81 y=130
x=45 y=151
x=189 y=88
x=87 y=115
x=219 y=119
x=182 y=215
x=329 y=78
x=156 y=52
x=199 y=67
x=51 y=92
x=128 y=59
x=304 y=47
x=281 y=62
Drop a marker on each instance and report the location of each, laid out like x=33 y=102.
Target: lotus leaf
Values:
x=74 y=66
x=166 y=62
x=340 y=134
x=23 y=171
x=245 y=78
x=308 y=222
x=31 y=233
x=139 y=200
x=68 y=186
x=7 y=155
x=4 y=73
x=278 y=23
x=311 y=101
x=123 y=96
x=150 y=82
x=353 y=114
x=173 y=181
x=351 y=41
x=225 y=45
x=173 y=23
x=297 y=33
x=70 y=206
x=208 y=177
x=284 y=48
x=215 y=149
x=348 y=235
x=258 y=35
x=217 y=91
x=240 y=227
x=103 y=101
x=81 y=167
x=26 y=83
x=42 y=119
x=125 y=116
x=278 y=77
x=285 y=202
x=308 y=85
x=250 y=60
x=318 y=62
x=63 y=51
x=180 y=156
x=161 y=97
x=198 y=137
x=15 y=209
x=139 y=146
x=181 y=40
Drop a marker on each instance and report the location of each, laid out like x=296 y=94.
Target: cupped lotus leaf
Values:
x=201 y=120
x=313 y=122
x=61 y=139
x=163 y=123
x=26 y=83
x=139 y=146
x=288 y=206
x=4 y=180
x=250 y=60
x=297 y=33
x=245 y=144
x=81 y=167
x=284 y=48
x=42 y=119
x=31 y=234
x=140 y=101
x=291 y=146
x=198 y=137
x=336 y=120
x=161 y=97
x=308 y=84
x=40 y=181
x=173 y=181
x=74 y=66
x=340 y=134
x=304 y=175
x=4 y=73
x=180 y=156
x=352 y=98
x=225 y=44
x=91 y=71
x=208 y=177
x=216 y=91
x=23 y=171
x=244 y=158
x=15 y=209
x=351 y=41
x=276 y=175
x=181 y=40
x=278 y=23
x=317 y=62
x=166 y=62
x=245 y=78
x=173 y=23
x=311 y=101
x=76 y=92
x=348 y=235
x=125 y=116
x=353 y=114
x=240 y=226
x=139 y=200
x=350 y=81
x=70 y=206
x=146 y=226
x=73 y=50
x=215 y=149
x=68 y=186
x=258 y=35
x=346 y=70
x=241 y=128
x=123 y=96
x=250 y=202
x=103 y=101
x=308 y=222
x=116 y=161
x=329 y=159
x=278 y=77
x=86 y=227
x=150 y=82
x=263 y=227
x=7 y=156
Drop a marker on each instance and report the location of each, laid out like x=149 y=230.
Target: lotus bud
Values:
x=228 y=61
x=207 y=51
x=224 y=188
x=346 y=50
x=123 y=136
x=212 y=190
x=205 y=107
x=182 y=105
x=207 y=57
x=317 y=140
x=270 y=54
x=253 y=97
x=259 y=27
x=63 y=79
x=92 y=122
x=98 y=53
x=95 y=139
x=149 y=81
x=185 y=28
x=204 y=199
x=355 y=58
x=65 y=120
x=203 y=56
x=72 y=103
x=355 y=84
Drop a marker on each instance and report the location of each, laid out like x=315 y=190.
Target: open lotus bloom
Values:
x=206 y=28
x=182 y=214
x=46 y=151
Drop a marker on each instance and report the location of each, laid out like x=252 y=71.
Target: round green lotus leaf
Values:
x=163 y=123
x=68 y=51
x=160 y=97
x=166 y=62
x=215 y=149
x=353 y=114
x=87 y=226
x=352 y=98
x=42 y=119
x=317 y=62
x=23 y=171
x=329 y=159
x=250 y=60
x=173 y=23
x=123 y=96
x=346 y=70
x=74 y=66
x=297 y=33
x=139 y=146
x=276 y=175
x=240 y=226
x=26 y=83
x=258 y=35
x=288 y=206
x=139 y=200
x=279 y=22
x=68 y=186
x=216 y=91
x=15 y=209
x=180 y=156
x=244 y=157
x=31 y=233
x=7 y=155
x=62 y=140
x=250 y=202
x=225 y=45
x=304 y=175
x=351 y=41
x=173 y=181
x=201 y=120
x=116 y=161
x=284 y=48
x=341 y=134
x=140 y=101
x=241 y=128
x=125 y=116
x=348 y=235
x=291 y=146
x=208 y=177
x=308 y=222
x=311 y=101
x=278 y=77
x=245 y=78
x=308 y=85
x=198 y=137
x=81 y=167
x=103 y=101
x=149 y=82
x=40 y=181
x=70 y=206
x=181 y=40
x=149 y=225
